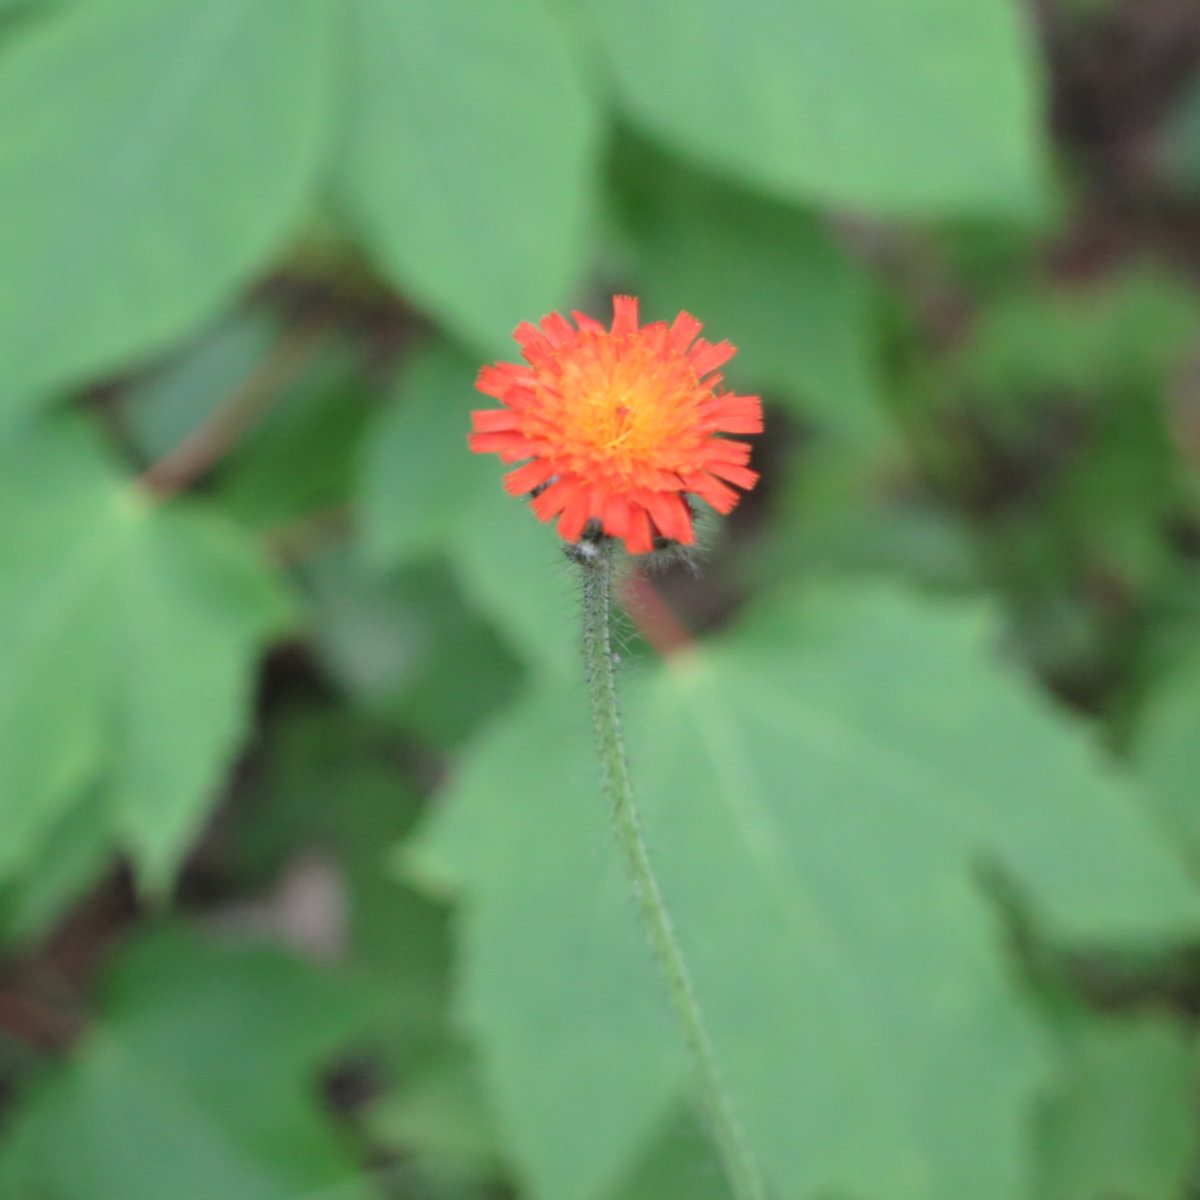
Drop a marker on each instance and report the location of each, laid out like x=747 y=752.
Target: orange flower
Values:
x=618 y=425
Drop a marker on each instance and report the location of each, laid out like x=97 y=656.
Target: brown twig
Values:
x=654 y=619
x=210 y=441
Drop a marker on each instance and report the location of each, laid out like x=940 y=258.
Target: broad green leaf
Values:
x=680 y=1164
x=513 y=567
x=155 y=155
x=68 y=860
x=922 y=107
x=1120 y=1119
x=439 y=1116
x=15 y=14
x=418 y=479
x=298 y=463
x=423 y=492
x=769 y=278
x=328 y=779
x=558 y=988
x=469 y=156
x=132 y=634
x=1167 y=752
x=194 y=605
x=197 y=1081
x=402 y=643
x=823 y=792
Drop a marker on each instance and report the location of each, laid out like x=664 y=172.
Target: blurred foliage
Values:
x=1118 y=1120
x=306 y=883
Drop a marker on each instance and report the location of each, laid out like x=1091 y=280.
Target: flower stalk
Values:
x=595 y=557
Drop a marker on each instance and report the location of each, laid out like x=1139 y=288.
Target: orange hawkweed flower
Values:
x=618 y=425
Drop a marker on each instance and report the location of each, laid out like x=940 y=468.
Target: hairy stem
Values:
x=596 y=563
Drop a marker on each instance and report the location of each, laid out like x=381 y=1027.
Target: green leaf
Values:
x=16 y=14
x=401 y=644
x=1105 y=340
x=299 y=462
x=68 y=860
x=512 y=566
x=195 y=606
x=156 y=155
x=422 y=492
x=418 y=479
x=1121 y=1118
x=819 y=792
x=469 y=159
x=330 y=780
x=197 y=1081
x=769 y=278
x=680 y=1164
x=1076 y=466
x=133 y=635
x=558 y=987
x=1167 y=751
x=439 y=1115
x=925 y=107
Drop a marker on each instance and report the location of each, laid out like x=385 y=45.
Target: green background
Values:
x=307 y=887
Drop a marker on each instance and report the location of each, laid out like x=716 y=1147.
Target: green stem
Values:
x=596 y=561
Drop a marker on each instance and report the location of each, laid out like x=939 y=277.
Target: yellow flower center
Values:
x=622 y=408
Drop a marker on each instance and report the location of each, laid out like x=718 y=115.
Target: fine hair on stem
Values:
x=595 y=558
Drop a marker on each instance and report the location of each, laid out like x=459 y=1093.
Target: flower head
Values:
x=618 y=425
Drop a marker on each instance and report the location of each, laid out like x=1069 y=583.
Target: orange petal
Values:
x=671 y=516
x=525 y=479
x=742 y=476
x=514 y=444
x=493 y=420
x=558 y=329
x=684 y=331
x=625 y=316
x=616 y=516
x=654 y=337
x=728 y=451
x=737 y=414
x=492 y=381
x=529 y=337
x=640 y=538
x=575 y=517
x=587 y=324
x=721 y=496
x=708 y=357
x=548 y=504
